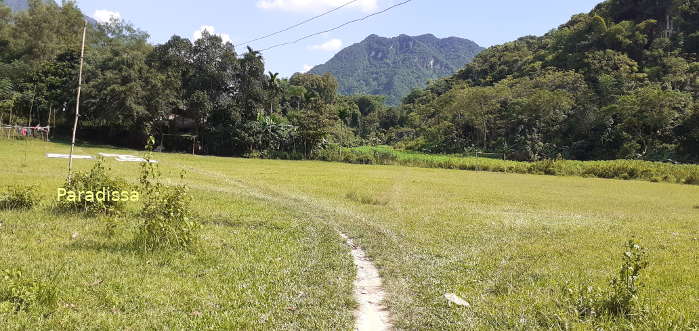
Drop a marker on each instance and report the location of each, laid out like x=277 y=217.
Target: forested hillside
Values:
x=619 y=82
x=394 y=66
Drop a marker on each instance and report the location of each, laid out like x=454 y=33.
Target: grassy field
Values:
x=257 y=266
x=509 y=244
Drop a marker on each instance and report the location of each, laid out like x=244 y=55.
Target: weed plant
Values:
x=621 y=298
x=20 y=293
x=168 y=221
x=95 y=180
x=19 y=197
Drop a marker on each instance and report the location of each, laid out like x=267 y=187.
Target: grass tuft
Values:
x=21 y=293
x=366 y=199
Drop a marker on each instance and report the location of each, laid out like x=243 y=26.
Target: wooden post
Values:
x=77 y=104
x=31 y=107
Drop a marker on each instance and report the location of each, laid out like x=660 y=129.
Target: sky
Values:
x=487 y=23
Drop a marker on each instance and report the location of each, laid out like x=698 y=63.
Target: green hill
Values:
x=619 y=82
x=395 y=66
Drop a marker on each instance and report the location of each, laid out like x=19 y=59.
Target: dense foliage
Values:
x=395 y=66
x=200 y=95
x=619 y=82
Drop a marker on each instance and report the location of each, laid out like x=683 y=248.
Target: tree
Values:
x=649 y=115
x=323 y=87
x=478 y=106
x=314 y=123
x=274 y=89
x=688 y=132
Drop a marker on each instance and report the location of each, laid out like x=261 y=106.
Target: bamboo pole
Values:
x=77 y=104
x=31 y=107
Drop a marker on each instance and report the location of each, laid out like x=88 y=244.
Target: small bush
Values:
x=96 y=180
x=168 y=221
x=20 y=293
x=692 y=180
x=621 y=299
x=19 y=197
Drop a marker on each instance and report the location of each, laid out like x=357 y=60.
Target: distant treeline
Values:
x=619 y=82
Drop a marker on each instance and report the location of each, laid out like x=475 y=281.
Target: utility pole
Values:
x=77 y=105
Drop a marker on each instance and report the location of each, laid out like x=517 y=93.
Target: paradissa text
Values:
x=99 y=196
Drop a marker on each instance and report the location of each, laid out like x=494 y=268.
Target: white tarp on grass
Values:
x=128 y=158
x=67 y=156
x=116 y=155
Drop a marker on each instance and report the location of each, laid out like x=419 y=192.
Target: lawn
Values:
x=509 y=244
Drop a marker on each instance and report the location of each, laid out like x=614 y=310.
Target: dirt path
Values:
x=369 y=293
x=371 y=314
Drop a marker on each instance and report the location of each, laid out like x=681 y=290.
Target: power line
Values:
x=300 y=23
x=337 y=27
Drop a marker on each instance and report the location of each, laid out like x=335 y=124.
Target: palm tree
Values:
x=274 y=89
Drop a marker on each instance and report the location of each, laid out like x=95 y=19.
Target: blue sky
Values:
x=485 y=22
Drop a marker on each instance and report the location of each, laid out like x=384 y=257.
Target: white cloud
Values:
x=212 y=30
x=306 y=68
x=332 y=45
x=314 y=5
x=105 y=16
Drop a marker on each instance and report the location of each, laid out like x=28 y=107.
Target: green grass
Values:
x=507 y=243
x=255 y=267
x=615 y=169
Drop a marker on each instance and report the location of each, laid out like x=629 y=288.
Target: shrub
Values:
x=545 y=167
x=692 y=180
x=168 y=221
x=621 y=299
x=616 y=169
x=19 y=197
x=20 y=293
x=95 y=180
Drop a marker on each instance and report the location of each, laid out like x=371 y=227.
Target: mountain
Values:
x=395 y=66
x=21 y=5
